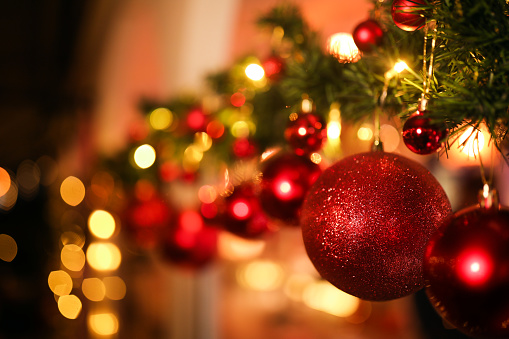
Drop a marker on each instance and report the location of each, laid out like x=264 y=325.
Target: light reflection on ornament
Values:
x=255 y=72
x=475 y=267
x=342 y=46
x=144 y=156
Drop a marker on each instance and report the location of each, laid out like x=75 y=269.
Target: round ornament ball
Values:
x=368 y=34
x=421 y=136
x=466 y=271
x=286 y=179
x=406 y=16
x=306 y=133
x=366 y=222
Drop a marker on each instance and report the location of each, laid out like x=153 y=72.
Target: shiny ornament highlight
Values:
x=367 y=35
x=307 y=133
x=406 y=16
x=421 y=136
x=366 y=222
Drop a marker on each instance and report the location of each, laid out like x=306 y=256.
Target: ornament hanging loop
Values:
x=488 y=198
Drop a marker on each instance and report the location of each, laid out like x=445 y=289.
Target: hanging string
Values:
x=427 y=70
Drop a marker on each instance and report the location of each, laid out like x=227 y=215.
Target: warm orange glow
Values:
x=115 y=288
x=5 y=181
x=103 y=323
x=93 y=289
x=324 y=297
x=8 y=248
x=72 y=257
x=60 y=282
x=261 y=275
x=207 y=194
x=342 y=46
x=69 y=306
x=103 y=256
x=72 y=191
x=255 y=72
x=101 y=224
x=161 y=118
x=232 y=247
x=144 y=156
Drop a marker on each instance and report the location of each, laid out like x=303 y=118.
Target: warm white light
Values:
x=333 y=130
x=101 y=224
x=342 y=46
x=324 y=297
x=365 y=133
x=302 y=131
x=145 y=156
x=471 y=142
x=255 y=72
x=262 y=275
x=400 y=66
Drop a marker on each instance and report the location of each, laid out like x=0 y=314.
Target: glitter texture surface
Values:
x=366 y=222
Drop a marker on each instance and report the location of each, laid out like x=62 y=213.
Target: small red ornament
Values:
x=244 y=148
x=466 y=271
x=306 y=134
x=189 y=241
x=242 y=214
x=367 y=35
x=274 y=67
x=366 y=222
x=421 y=136
x=285 y=182
x=405 y=15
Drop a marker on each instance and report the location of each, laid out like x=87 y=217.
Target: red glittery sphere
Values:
x=421 y=136
x=368 y=34
x=307 y=133
x=242 y=213
x=405 y=15
x=366 y=222
x=285 y=182
x=466 y=271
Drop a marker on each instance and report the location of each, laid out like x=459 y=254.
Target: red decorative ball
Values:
x=406 y=16
x=466 y=271
x=285 y=182
x=307 y=133
x=242 y=214
x=421 y=136
x=274 y=67
x=366 y=222
x=189 y=241
x=367 y=35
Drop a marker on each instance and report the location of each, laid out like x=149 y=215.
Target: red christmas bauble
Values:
x=368 y=34
x=242 y=214
x=306 y=134
x=466 y=271
x=421 y=136
x=406 y=16
x=274 y=67
x=286 y=180
x=366 y=222
x=189 y=241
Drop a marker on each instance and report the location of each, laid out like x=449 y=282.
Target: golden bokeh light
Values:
x=93 y=289
x=203 y=141
x=343 y=48
x=73 y=238
x=207 y=194
x=60 y=282
x=104 y=256
x=103 y=323
x=144 y=156
x=69 y=306
x=232 y=247
x=261 y=275
x=5 y=181
x=8 y=200
x=161 y=118
x=324 y=297
x=8 y=248
x=296 y=284
x=72 y=191
x=115 y=288
x=72 y=257
x=240 y=129
x=101 y=224
x=365 y=133
x=255 y=72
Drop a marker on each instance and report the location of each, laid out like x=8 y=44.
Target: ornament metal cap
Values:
x=488 y=198
x=377 y=146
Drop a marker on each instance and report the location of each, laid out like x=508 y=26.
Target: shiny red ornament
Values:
x=466 y=271
x=306 y=134
x=367 y=35
x=421 y=136
x=366 y=222
x=242 y=215
x=190 y=242
x=274 y=67
x=406 y=16
x=286 y=179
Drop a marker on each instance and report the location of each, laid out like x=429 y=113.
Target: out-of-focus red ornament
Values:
x=242 y=215
x=146 y=220
x=190 y=242
x=406 y=16
x=306 y=133
x=367 y=35
x=286 y=180
x=196 y=120
x=421 y=136
x=366 y=222
x=274 y=67
x=466 y=271
x=244 y=148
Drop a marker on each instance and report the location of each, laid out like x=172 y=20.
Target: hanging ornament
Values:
x=406 y=16
x=242 y=214
x=306 y=132
x=421 y=136
x=466 y=270
x=190 y=242
x=366 y=221
x=285 y=181
x=274 y=67
x=367 y=35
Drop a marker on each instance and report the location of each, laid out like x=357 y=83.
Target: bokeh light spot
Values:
x=72 y=257
x=161 y=118
x=101 y=224
x=261 y=275
x=60 y=282
x=93 y=289
x=69 y=306
x=103 y=323
x=8 y=248
x=144 y=156
x=104 y=256
x=115 y=288
x=5 y=181
x=72 y=191
x=255 y=72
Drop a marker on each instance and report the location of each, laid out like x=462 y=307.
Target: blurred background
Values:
x=73 y=74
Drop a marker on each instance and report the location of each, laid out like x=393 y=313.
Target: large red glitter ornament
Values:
x=366 y=221
x=406 y=16
x=466 y=271
x=286 y=180
x=367 y=35
x=421 y=136
x=190 y=242
x=306 y=133
x=241 y=213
